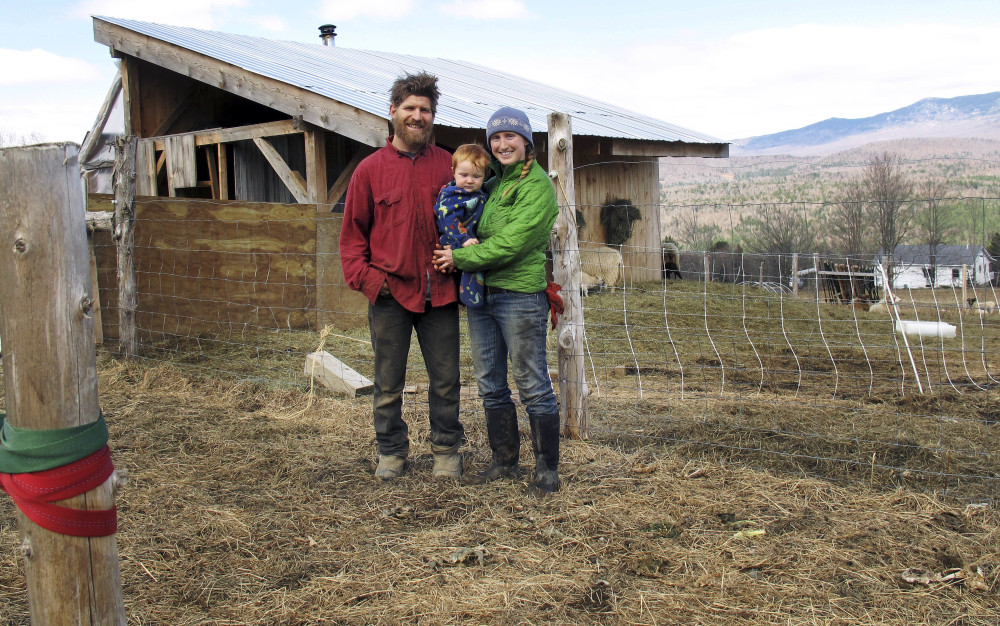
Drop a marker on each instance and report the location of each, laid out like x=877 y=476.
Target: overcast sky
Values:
x=726 y=69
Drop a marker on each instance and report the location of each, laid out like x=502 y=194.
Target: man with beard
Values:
x=386 y=245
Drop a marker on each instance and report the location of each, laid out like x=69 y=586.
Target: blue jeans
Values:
x=391 y=326
x=512 y=325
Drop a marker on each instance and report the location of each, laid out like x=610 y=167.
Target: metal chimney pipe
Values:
x=327 y=32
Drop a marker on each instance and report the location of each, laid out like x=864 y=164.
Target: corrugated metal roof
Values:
x=470 y=93
x=946 y=255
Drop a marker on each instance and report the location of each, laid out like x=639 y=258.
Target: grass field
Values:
x=796 y=476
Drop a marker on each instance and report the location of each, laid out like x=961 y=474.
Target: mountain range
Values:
x=976 y=116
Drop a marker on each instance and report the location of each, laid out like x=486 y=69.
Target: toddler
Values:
x=458 y=209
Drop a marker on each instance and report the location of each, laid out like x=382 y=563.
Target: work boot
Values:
x=447 y=461
x=390 y=467
x=505 y=442
x=545 y=442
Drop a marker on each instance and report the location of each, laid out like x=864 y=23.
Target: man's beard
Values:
x=411 y=137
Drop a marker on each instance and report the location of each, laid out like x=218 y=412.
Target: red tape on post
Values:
x=33 y=494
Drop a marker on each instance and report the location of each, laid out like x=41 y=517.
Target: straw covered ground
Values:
x=244 y=508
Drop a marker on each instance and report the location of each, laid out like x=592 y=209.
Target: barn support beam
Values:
x=238 y=133
x=223 y=163
x=131 y=103
x=92 y=139
x=292 y=179
x=566 y=272
x=51 y=371
x=315 y=142
x=124 y=235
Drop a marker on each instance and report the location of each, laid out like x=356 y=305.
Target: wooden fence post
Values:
x=965 y=285
x=51 y=369
x=795 y=274
x=816 y=265
x=124 y=235
x=566 y=272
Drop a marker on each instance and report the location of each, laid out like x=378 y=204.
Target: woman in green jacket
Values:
x=514 y=233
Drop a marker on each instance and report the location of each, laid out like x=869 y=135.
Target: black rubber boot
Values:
x=545 y=441
x=505 y=442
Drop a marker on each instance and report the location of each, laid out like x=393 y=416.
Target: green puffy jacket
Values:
x=514 y=232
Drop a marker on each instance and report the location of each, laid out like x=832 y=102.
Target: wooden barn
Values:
x=246 y=145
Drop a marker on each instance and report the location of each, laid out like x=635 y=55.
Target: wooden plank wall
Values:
x=338 y=305
x=215 y=267
x=602 y=179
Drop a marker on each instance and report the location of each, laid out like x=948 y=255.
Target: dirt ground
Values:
x=243 y=507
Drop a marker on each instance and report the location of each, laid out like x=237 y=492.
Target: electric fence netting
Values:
x=778 y=360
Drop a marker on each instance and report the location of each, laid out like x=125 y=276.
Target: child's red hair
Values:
x=472 y=153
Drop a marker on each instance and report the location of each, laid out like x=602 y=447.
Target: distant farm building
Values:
x=914 y=267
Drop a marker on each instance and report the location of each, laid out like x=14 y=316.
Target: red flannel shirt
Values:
x=389 y=232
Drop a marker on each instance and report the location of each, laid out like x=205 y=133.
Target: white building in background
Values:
x=913 y=267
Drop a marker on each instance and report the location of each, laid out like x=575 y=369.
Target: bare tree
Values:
x=8 y=139
x=848 y=223
x=888 y=191
x=776 y=230
x=780 y=228
x=693 y=234
x=934 y=220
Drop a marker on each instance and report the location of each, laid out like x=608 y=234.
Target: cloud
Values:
x=193 y=13
x=775 y=79
x=339 y=10
x=269 y=23
x=486 y=9
x=22 y=67
x=51 y=111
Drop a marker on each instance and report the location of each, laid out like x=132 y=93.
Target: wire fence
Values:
x=750 y=358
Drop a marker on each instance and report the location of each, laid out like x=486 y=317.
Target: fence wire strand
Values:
x=777 y=370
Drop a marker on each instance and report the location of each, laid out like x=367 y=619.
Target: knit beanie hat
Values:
x=509 y=119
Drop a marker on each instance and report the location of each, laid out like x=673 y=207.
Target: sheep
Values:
x=670 y=270
x=671 y=261
x=860 y=304
x=882 y=306
x=589 y=283
x=983 y=308
x=603 y=264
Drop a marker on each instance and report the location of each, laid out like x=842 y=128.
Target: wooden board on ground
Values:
x=335 y=375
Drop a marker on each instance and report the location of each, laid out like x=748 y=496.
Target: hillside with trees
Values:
x=948 y=193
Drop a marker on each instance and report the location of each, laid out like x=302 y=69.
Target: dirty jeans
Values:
x=391 y=326
x=512 y=325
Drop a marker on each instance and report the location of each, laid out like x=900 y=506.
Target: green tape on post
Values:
x=25 y=450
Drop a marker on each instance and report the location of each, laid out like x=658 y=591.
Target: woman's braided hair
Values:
x=529 y=158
